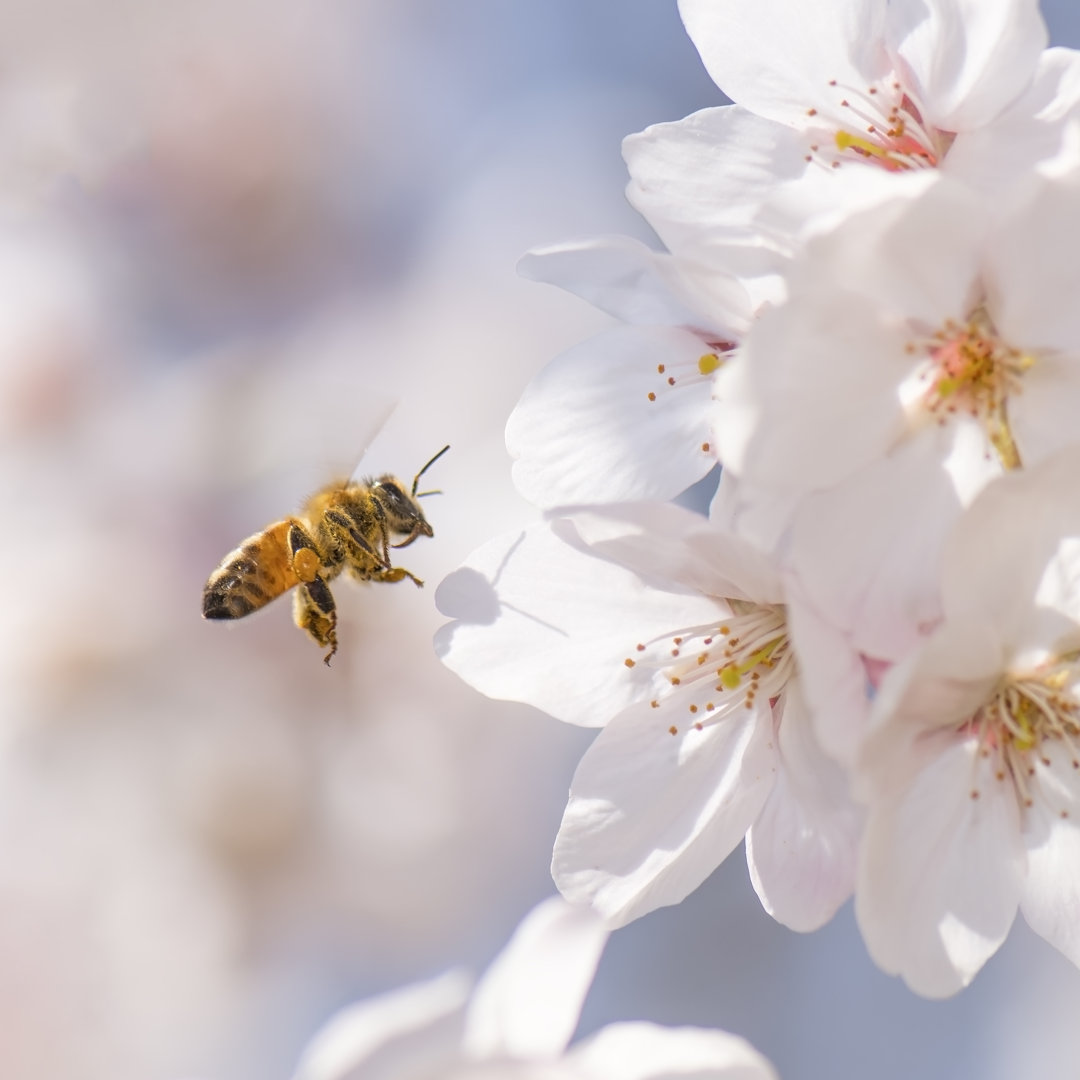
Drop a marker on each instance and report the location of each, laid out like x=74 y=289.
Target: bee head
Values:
x=403 y=513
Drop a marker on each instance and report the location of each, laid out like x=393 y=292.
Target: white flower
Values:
x=972 y=770
x=672 y=635
x=957 y=84
x=517 y=1023
x=626 y=415
x=925 y=348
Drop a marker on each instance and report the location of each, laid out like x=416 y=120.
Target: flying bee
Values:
x=342 y=528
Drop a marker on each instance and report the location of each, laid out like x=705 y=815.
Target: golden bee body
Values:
x=342 y=528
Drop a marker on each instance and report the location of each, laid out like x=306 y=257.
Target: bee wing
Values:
x=259 y=570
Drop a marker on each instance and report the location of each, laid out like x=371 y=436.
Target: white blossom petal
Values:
x=652 y=814
x=632 y=282
x=1032 y=281
x=1050 y=898
x=528 y=1003
x=775 y=58
x=1029 y=522
x=832 y=676
x=966 y=60
x=996 y=155
x=415 y=1031
x=939 y=873
x=662 y=539
x=540 y=621
x=700 y=181
x=801 y=849
x=586 y=430
x=643 y=1051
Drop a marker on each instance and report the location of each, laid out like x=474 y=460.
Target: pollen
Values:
x=754 y=667
x=878 y=124
x=1027 y=714
x=968 y=370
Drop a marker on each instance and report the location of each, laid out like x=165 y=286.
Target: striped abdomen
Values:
x=257 y=571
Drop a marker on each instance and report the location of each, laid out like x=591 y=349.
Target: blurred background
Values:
x=234 y=237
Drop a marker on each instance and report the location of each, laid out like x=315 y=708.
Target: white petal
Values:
x=585 y=430
x=1042 y=416
x=626 y=279
x=642 y=1051
x=679 y=546
x=528 y=1003
x=652 y=814
x=1031 y=279
x=833 y=678
x=812 y=395
x=801 y=849
x=1027 y=522
x=966 y=60
x=868 y=551
x=540 y=621
x=939 y=872
x=415 y=1031
x=1050 y=900
x=776 y=57
x=997 y=155
x=700 y=181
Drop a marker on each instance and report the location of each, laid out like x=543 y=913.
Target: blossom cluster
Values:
x=865 y=659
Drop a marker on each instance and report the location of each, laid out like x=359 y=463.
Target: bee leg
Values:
x=397 y=573
x=306 y=559
x=315 y=612
x=339 y=519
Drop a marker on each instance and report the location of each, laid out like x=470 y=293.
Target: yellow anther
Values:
x=708 y=363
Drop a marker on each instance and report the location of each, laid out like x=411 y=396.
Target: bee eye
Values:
x=392 y=490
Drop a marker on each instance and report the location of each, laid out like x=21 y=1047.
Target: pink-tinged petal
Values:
x=652 y=814
x=966 y=60
x=1029 y=523
x=939 y=871
x=587 y=431
x=1031 y=277
x=833 y=677
x=528 y=1003
x=776 y=58
x=540 y=621
x=415 y=1031
x=938 y=687
x=700 y=181
x=667 y=541
x=632 y=282
x=801 y=849
x=1032 y=129
x=868 y=551
x=811 y=397
x=1050 y=897
x=643 y=1051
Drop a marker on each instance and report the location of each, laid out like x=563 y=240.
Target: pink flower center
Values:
x=969 y=370
x=1024 y=713
x=879 y=125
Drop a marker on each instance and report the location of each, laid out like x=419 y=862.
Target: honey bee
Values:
x=341 y=528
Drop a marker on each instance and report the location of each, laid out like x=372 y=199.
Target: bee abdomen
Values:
x=232 y=595
x=251 y=576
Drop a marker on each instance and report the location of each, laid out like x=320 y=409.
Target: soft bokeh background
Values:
x=234 y=237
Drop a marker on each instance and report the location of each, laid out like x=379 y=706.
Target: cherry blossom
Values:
x=517 y=1022
x=672 y=636
x=972 y=769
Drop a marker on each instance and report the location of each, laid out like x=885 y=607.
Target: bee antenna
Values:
x=416 y=479
x=421 y=494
